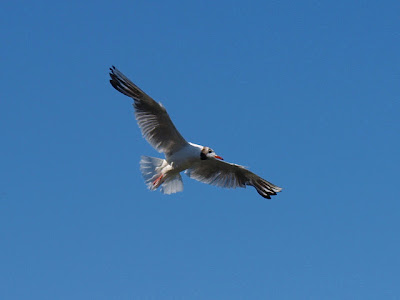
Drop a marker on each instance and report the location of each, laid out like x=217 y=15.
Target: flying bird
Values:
x=199 y=162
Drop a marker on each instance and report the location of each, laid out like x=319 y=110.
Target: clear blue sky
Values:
x=305 y=93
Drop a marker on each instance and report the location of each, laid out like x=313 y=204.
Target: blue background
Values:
x=305 y=94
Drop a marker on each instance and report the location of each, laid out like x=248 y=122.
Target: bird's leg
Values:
x=156 y=182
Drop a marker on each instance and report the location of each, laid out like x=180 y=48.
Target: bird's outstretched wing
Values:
x=227 y=175
x=152 y=117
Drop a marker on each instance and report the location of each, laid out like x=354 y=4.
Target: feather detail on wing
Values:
x=152 y=117
x=227 y=175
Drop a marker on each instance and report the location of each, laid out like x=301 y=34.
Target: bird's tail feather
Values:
x=151 y=168
x=172 y=185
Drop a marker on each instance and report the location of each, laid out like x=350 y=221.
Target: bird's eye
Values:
x=210 y=151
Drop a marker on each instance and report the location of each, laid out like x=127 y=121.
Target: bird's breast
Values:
x=184 y=158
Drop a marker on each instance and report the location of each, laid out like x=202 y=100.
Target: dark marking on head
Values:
x=203 y=153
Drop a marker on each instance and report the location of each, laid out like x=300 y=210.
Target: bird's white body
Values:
x=185 y=157
x=201 y=163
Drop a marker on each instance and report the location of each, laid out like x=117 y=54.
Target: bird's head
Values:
x=207 y=153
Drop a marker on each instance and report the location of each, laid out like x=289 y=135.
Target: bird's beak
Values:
x=219 y=157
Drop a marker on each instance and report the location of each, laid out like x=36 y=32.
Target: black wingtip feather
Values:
x=263 y=188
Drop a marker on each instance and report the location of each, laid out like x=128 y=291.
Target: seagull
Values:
x=199 y=162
